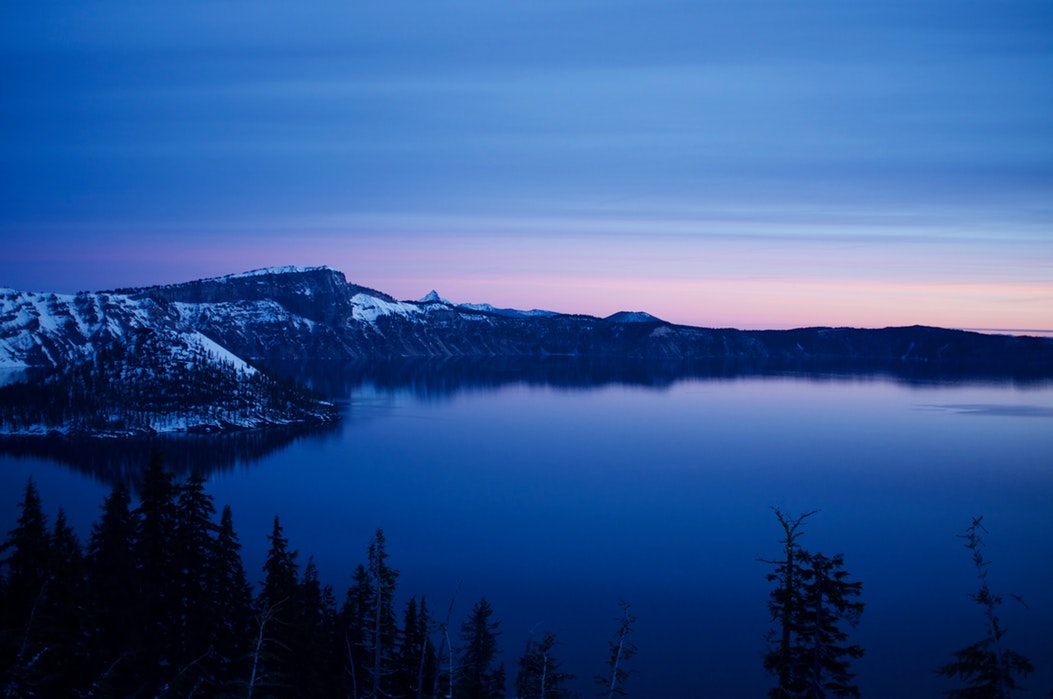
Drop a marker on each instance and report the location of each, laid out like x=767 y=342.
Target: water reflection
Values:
x=436 y=378
x=429 y=379
x=114 y=460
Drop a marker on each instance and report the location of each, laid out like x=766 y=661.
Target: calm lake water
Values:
x=556 y=501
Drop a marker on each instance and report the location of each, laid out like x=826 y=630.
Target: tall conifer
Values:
x=232 y=628
x=988 y=669
x=27 y=561
x=197 y=606
x=112 y=589
x=64 y=614
x=811 y=600
x=540 y=676
x=278 y=603
x=477 y=676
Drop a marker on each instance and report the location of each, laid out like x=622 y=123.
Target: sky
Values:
x=716 y=163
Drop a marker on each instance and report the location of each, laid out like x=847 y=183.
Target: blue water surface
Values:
x=557 y=502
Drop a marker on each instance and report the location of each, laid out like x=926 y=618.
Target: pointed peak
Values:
x=433 y=297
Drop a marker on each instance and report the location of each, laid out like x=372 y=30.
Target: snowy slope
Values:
x=54 y=330
x=119 y=364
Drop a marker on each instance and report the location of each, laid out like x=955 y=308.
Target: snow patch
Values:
x=368 y=308
x=265 y=271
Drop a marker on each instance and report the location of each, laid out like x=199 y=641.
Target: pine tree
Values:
x=27 y=561
x=232 y=629
x=477 y=677
x=281 y=572
x=64 y=615
x=353 y=622
x=112 y=589
x=276 y=608
x=313 y=635
x=989 y=670
x=368 y=629
x=197 y=605
x=539 y=675
x=382 y=633
x=784 y=600
x=622 y=649
x=416 y=664
x=828 y=601
x=811 y=600
x=157 y=599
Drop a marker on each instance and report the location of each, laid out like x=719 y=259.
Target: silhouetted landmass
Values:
x=339 y=332
x=185 y=356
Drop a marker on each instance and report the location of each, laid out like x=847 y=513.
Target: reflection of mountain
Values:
x=436 y=378
x=112 y=460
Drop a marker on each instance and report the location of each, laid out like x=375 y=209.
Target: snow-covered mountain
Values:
x=290 y=315
x=121 y=364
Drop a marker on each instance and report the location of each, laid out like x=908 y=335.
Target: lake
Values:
x=556 y=498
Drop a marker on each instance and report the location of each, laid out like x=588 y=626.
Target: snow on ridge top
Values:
x=288 y=269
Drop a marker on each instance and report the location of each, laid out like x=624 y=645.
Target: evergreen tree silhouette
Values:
x=416 y=664
x=621 y=649
x=233 y=628
x=313 y=635
x=477 y=678
x=988 y=669
x=112 y=589
x=277 y=602
x=197 y=606
x=27 y=560
x=811 y=601
x=539 y=675
x=64 y=613
x=157 y=599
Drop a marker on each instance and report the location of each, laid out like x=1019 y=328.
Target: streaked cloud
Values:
x=894 y=157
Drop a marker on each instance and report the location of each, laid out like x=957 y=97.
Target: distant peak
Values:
x=433 y=297
x=633 y=317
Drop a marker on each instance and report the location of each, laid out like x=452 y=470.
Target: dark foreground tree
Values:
x=276 y=618
x=988 y=670
x=539 y=675
x=622 y=649
x=812 y=600
x=368 y=627
x=416 y=663
x=477 y=677
x=26 y=559
x=113 y=589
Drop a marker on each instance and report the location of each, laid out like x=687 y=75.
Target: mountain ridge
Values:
x=289 y=315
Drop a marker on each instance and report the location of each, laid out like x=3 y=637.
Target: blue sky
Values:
x=756 y=164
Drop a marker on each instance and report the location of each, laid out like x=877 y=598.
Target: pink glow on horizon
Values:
x=718 y=281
